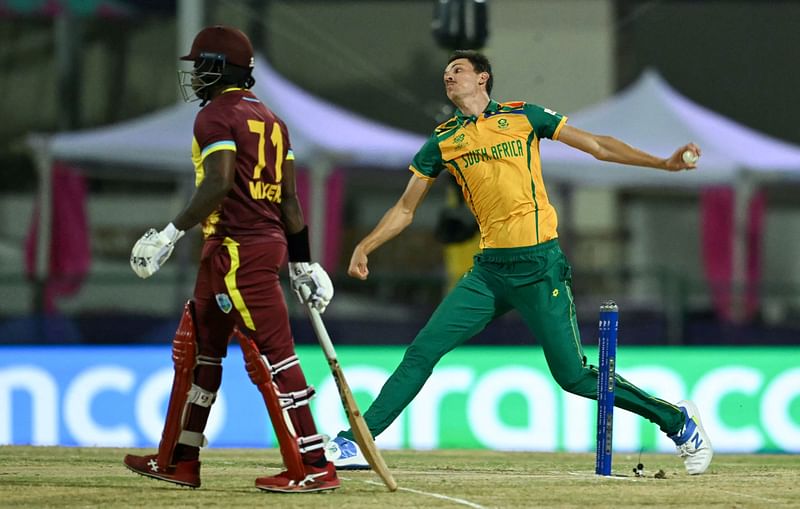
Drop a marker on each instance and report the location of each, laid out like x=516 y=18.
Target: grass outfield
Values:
x=95 y=477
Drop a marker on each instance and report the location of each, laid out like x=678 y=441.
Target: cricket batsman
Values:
x=246 y=200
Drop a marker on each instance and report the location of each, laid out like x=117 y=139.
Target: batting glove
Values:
x=152 y=250
x=312 y=277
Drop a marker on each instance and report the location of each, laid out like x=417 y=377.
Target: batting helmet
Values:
x=222 y=56
x=219 y=42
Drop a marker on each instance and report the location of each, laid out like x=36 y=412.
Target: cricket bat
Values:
x=359 y=427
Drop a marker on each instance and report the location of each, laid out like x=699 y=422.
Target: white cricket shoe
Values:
x=692 y=441
x=345 y=454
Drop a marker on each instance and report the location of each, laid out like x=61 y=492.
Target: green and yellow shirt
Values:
x=495 y=159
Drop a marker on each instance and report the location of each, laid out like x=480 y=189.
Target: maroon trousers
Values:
x=238 y=285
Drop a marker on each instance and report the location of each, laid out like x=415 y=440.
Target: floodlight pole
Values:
x=40 y=148
x=743 y=193
x=319 y=172
x=190 y=17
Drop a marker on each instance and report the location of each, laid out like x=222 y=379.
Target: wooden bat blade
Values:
x=359 y=428
x=357 y=424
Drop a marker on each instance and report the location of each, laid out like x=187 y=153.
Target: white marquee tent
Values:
x=654 y=117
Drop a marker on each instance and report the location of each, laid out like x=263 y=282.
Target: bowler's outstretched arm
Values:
x=608 y=148
x=391 y=224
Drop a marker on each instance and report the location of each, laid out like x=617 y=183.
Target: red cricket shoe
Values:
x=316 y=479
x=185 y=473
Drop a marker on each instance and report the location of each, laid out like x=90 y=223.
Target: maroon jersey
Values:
x=236 y=120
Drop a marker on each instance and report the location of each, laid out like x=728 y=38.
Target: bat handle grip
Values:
x=319 y=327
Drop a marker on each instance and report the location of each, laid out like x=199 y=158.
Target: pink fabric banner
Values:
x=70 y=252
x=334 y=209
x=718 y=226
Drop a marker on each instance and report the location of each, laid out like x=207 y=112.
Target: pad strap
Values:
x=201 y=397
x=282 y=365
x=296 y=399
x=311 y=443
x=192 y=438
x=209 y=361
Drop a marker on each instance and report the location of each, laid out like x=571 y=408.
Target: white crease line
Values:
x=746 y=495
x=484 y=474
x=520 y=475
x=603 y=477
x=418 y=492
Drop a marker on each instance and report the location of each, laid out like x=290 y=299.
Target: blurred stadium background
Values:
x=716 y=264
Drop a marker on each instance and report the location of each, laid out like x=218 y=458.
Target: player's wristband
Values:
x=298 y=247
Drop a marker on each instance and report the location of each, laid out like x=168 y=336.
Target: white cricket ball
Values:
x=689 y=157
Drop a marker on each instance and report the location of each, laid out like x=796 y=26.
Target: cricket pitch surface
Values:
x=64 y=477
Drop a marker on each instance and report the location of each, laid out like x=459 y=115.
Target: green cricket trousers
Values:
x=536 y=281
